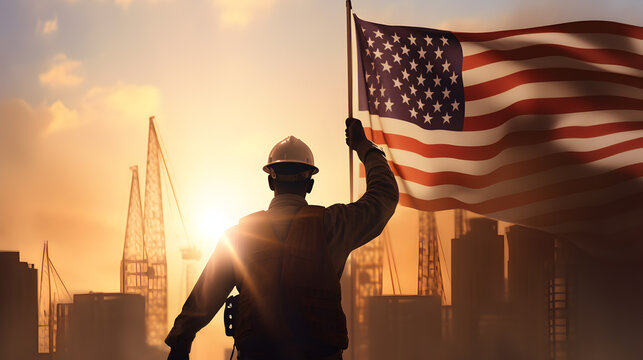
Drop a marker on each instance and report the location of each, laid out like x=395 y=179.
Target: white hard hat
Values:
x=291 y=150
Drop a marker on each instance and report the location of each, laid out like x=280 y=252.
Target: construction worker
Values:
x=286 y=262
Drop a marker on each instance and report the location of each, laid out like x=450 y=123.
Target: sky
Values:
x=226 y=80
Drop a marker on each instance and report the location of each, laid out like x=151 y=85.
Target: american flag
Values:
x=552 y=136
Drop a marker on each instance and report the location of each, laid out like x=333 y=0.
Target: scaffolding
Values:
x=558 y=322
x=366 y=270
x=429 y=268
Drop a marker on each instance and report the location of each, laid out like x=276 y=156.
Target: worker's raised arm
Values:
x=205 y=300
x=350 y=226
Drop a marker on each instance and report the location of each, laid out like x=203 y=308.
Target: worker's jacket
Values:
x=345 y=227
x=289 y=292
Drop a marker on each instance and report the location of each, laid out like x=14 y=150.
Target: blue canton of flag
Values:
x=411 y=74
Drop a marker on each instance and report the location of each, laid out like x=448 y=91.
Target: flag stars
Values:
x=366 y=76
x=397 y=83
x=413 y=64
x=445 y=66
x=438 y=53
x=377 y=77
x=370 y=42
x=414 y=113
x=422 y=53
x=368 y=52
x=405 y=50
x=376 y=103
x=386 y=66
x=405 y=99
x=388 y=46
x=389 y=105
x=445 y=41
x=396 y=39
x=405 y=75
x=421 y=80
x=382 y=91
x=397 y=58
x=437 y=107
x=455 y=105
x=429 y=94
x=413 y=89
x=446 y=93
x=378 y=34
x=377 y=53
x=412 y=39
x=446 y=119
x=454 y=78
x=427 y=118
x=436 y=81
x=429 y=40
x=420 y=104
x=372 y=89
x=429 y=67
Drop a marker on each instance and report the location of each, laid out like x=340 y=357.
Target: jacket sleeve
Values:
x=207 y=297
x=349 y=226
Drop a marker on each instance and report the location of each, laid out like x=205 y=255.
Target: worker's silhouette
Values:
x=287 y=261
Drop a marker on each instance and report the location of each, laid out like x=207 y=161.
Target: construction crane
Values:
x=144 y=264
x=52 y=292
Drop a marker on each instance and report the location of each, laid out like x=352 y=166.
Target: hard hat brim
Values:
x=266 y=168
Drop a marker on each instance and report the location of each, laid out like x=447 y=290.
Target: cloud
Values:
x=241 y=12
x=50 y=26
x=61 y=118
x=123 y=100
x=61 y=73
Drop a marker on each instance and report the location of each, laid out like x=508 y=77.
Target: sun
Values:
x=210 y=225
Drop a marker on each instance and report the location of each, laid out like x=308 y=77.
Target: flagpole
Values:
x=349 y=54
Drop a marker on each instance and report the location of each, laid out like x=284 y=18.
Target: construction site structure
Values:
x=144 y=264
x=154 y=237
x=558 y=320
x=429 y=268
x=460 y=222
x=134 y=266
x=52 y=292
x=366 y=275
x=190 y=255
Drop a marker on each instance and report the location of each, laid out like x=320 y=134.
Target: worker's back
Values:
x=290 y=302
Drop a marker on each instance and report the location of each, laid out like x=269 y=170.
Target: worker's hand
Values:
x=176 y=354
x=354 y=133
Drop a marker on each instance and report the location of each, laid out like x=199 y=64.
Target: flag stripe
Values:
x=511 y=171
x=588 y=27
x=533 y=182
x=528 y=122
x=548 y=90
x=506 y=68
x=582 y=41
x=582 y=185
x=522 y=138
x=598 y=56
x=551 y=106
x=499 y=85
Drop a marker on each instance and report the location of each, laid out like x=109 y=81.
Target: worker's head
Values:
x=290 y=167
